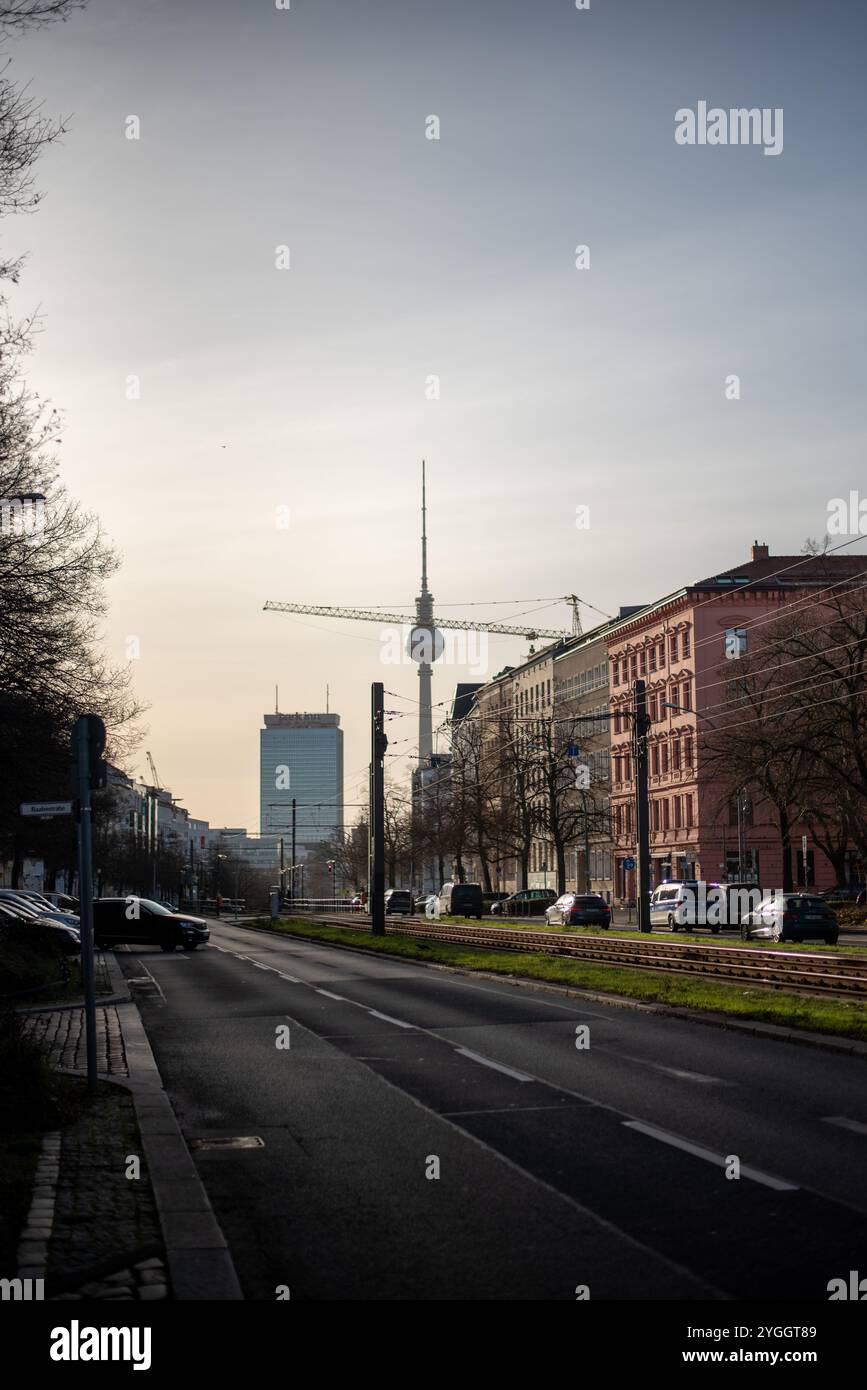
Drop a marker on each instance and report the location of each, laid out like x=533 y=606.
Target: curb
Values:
x=199 y=1262
x=828 y=1042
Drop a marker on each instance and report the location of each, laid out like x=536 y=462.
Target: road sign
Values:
x=629 y=863
x=46 y=808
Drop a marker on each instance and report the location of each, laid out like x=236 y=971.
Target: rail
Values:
x=801 y=971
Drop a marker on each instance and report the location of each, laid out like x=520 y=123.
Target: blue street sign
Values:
x=629 y=863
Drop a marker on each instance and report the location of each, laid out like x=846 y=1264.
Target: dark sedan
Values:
x=579 y=910
x=529 y=902
x=139 y=921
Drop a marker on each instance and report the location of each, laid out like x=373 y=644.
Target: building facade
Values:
x=301 y=758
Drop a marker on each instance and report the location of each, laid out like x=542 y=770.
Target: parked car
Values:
x=64 y=901
x=489 y=900
x=844 y=893
x=398 y=900
x=18 y=899
x=529 y=902
x=420 y=901
x=579 y=910
x=67 y=938
x=461 y=900
x=140 y=921
x=791 y=917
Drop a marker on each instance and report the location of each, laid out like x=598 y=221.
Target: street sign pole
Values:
x=81 y=742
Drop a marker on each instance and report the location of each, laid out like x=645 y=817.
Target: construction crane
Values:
x=371 y=615
x=154 y=772
x=425 y=639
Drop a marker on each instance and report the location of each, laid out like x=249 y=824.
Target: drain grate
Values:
x=241 y=1141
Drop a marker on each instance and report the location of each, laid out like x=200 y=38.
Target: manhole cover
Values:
x=242 y=1141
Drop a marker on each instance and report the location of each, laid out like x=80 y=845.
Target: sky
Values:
x=206 y=386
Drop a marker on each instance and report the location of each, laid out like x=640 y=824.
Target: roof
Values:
x=786 y=571
x=462 y=700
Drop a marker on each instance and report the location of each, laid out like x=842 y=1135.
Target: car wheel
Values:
x=831 y=939
x=715 y=930
x=168 y=948
x=672 y=925
x=777 y=933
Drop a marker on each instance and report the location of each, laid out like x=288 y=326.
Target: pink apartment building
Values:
x=679 y=647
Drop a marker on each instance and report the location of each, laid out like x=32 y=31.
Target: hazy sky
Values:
x=305 y=387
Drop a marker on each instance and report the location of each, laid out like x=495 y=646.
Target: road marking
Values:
x=699 y=1151
x=329 y=995
x=842 y=1123
x=259 y=966
x=701 y=1077
x=512 y=1110
x=387 y=1018
x=154 y=982
x=495 y=1066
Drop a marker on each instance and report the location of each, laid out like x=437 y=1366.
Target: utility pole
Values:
x=88 y=743
x=378 y=745
x=642 y=804
x=292 y=888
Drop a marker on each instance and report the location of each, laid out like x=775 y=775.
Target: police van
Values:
x=696 y=903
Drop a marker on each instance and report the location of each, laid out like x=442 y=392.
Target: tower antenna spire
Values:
x=423 y=532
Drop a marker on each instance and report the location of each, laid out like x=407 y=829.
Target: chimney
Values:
x=759 y=552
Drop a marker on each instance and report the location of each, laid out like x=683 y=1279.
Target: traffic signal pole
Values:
x=641 y=724
x=378 y=745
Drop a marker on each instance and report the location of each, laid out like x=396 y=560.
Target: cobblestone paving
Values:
x=99 y=1212
x=61 y=1034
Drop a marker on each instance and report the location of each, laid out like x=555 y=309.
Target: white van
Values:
x=695 y=903
x=673 y=905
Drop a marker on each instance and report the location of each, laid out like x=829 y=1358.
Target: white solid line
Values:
x=495 y=1066
x=387 y=1018
x=329 y=995
x=699 y=1151
x=842 y=1123
x=293 y=978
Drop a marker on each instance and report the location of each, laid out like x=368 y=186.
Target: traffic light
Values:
x=89 y=735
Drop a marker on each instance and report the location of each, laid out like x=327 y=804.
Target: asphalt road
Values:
x=558 y=1166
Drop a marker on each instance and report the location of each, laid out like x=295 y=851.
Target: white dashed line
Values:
x=374 y=1013
x=699 y=1151
x=329 y=995
x=842 y=1123
x=495 y=1066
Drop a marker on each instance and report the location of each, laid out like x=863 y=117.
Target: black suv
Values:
x=139 y=921
x=399 y=900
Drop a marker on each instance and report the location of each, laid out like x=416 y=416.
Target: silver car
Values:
x=791 y=917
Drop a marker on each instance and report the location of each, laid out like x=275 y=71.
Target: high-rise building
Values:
x=301 y=756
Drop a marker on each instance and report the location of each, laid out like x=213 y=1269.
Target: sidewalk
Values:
x=118 y=1209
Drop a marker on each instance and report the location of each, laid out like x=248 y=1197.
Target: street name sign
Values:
x=46 y=808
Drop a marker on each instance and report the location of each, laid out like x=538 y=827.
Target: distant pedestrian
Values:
x=219 y=903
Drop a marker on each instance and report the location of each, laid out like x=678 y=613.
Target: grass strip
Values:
x=842 y=1018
